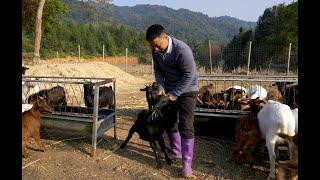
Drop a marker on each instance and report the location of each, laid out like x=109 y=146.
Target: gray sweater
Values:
x=176 y=71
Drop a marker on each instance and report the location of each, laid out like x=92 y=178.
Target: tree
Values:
x=37 y=41
x=29 y=6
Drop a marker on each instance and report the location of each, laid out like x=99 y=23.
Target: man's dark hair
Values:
x=154 y=31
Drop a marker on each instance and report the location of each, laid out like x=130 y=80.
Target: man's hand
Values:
x=160 y=92
x=171 y=97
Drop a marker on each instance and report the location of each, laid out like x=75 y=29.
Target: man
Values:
x=176 y=76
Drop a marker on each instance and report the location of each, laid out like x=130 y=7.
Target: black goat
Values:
x=151 y=94
x=56 y=96
x=150 y=125
x=106 y=96
x=289 y=91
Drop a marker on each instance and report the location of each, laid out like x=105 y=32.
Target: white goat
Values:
x=274 y=118
x=238 y=87
x=257 y=91
x=295 y=114
x=28 y=88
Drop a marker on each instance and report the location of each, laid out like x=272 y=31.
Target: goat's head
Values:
x=162 y=103
x=245 y=155
x=255 y=105
x=151 y=94
x=41 y=103
x=24 y=70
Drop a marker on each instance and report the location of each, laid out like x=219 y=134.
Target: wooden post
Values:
x=288 y=68
x=269 y=65
x=210 y=57
x=58 y=55
x=79 y=52
x=221 y=59
x=126 y=60
x=249 y=57
x=103 y=53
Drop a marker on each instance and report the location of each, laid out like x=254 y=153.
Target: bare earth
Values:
x=67 y=158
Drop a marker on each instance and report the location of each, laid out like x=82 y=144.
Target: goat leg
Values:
x=123 y=145
x=37 y=139
x=164 y=149
x=154 y=148
x=24 y=149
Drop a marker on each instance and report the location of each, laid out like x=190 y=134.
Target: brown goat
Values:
x=275 y=94
x=31 y=124
x=247 y=132
x=206 y=95
x=289 y=169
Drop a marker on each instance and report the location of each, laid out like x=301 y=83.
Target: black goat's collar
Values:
x=154 y=115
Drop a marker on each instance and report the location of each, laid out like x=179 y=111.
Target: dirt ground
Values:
x=67 y=154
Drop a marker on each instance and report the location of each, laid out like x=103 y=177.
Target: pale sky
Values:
x=248 y=10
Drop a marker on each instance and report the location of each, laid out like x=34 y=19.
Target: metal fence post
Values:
x=288 y=68
x=248 y=69
x=210 y=57
x=95 y=121
x=126 y=60
x=115 y=110
x=79 y=52
x=102 y=52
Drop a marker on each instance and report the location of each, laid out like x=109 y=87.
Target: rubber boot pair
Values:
x=182 y=148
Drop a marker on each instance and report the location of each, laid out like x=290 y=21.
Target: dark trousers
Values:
x=181 y=116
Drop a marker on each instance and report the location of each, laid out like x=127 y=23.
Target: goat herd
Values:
x=269 y=119
x=36 y=101
x=273 y=117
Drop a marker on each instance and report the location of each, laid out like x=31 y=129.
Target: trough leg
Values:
x=95 y=121
x=115 y=128
x=94 y=144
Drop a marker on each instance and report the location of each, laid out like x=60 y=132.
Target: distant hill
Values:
x=182 y=23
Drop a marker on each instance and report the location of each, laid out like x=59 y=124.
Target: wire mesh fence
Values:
x=64 y=92
x=249 y=58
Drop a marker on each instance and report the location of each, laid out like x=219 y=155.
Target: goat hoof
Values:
x=159 y=166
x=122 y=146
x=169 y=161
x=271 y=177
x=25 y=155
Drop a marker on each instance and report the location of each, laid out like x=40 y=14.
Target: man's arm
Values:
x=187 y=67
x=157 y=73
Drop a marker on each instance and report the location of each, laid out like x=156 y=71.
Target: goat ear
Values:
x=243 y=101
x=144 y=89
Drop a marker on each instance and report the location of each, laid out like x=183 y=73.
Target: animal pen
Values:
x=223 y=82
x=75 y=116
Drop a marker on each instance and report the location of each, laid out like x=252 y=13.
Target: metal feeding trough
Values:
x=75 y=116
x=222 y=82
